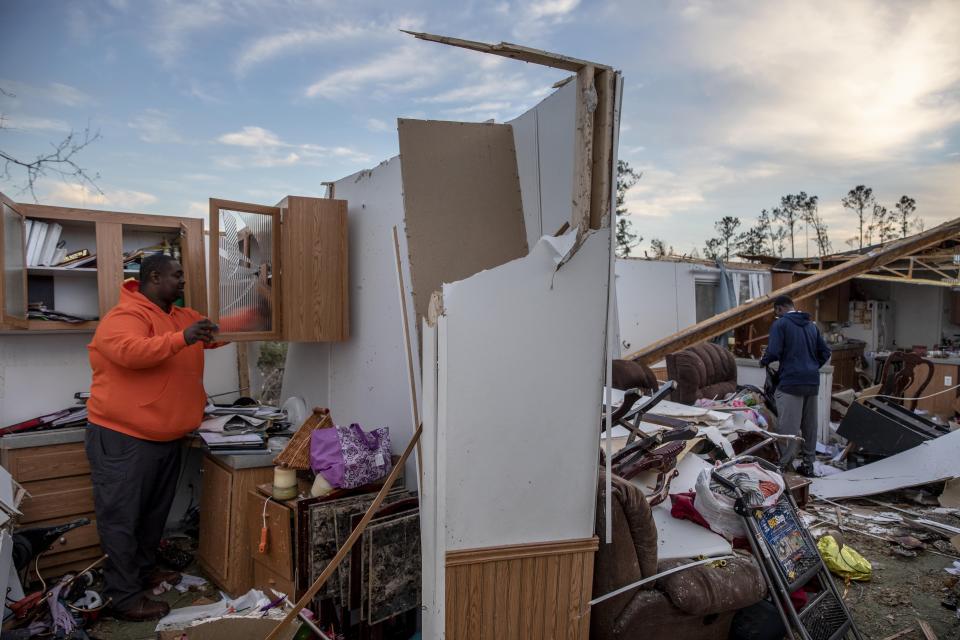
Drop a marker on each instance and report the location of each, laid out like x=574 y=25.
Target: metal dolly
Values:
x=789 y=560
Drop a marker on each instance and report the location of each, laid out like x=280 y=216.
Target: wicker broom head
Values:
x=296 y=455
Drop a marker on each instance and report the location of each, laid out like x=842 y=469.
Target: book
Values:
x=50 y=244
x=86 y=261
x=37 y=236
x=28 y=224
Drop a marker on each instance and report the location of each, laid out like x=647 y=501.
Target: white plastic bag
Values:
x=717 y=508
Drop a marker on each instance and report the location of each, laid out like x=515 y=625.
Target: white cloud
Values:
x=175 y=21
x=847 y=81
x=289 y=41
x=483 y=88
x=153 y=126
x=401 y=69
x=267 y=149
x=251 y=137
x=56 y=92
x=32 y=123
x=536 y=18
x=377 y=126
x=66 y=193
x=268 y=47
x=551 y=8
x=198 y=209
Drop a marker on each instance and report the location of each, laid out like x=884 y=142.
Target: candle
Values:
x=284 y=483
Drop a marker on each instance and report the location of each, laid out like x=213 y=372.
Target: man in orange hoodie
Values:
x=146 y=394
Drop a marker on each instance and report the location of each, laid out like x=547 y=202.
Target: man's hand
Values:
x=201 y=331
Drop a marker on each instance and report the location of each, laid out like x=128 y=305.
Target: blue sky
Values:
x=727 y=105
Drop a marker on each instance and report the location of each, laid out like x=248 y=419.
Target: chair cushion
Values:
x=704 y=370
x=711 y=589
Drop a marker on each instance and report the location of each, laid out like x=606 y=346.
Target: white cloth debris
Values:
x=955 y=569
x=187 y=582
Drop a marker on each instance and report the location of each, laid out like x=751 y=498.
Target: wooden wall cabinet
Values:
x=280 y=273
x=88 y=291
x=224 y=551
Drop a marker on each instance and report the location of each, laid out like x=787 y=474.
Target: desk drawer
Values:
x=44 y=463
x=279 y=556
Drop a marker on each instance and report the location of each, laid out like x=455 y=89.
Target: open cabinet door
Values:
x=13 y=284
x=245 y=270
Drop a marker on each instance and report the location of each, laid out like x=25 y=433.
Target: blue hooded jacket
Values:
x=795 y=342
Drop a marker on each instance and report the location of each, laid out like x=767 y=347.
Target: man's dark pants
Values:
x=134 y=482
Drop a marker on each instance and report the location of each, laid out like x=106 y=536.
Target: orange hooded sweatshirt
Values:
x=147 y=383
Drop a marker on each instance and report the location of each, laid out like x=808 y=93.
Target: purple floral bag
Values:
x=349 y=457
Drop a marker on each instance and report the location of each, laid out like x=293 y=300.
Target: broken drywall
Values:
x=461 y=197
x=520 y=379
x=932 y=461
x=544 y=139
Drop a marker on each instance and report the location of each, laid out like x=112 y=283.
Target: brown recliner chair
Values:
x=704 y=370
x=695 y=604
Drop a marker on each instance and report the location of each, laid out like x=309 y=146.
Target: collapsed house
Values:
x=461 y=295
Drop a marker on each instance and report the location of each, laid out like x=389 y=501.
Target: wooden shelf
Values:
x=61 y=271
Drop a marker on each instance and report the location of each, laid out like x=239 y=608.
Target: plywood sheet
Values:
x=932 y=461
x=519 y=397
x=462 y=204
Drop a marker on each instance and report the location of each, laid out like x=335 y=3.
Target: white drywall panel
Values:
x=556 y=124
x=367 y=374
x=521 y=373
x=528 y=168
x=433 y=554
x=306 y=373
x=647 y=302
x=934 y=460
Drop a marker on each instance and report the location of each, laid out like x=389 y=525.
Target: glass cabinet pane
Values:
x=14 y=265
x=246 y=261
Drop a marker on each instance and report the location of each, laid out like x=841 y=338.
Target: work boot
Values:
x=157 y=576
x=142 y=609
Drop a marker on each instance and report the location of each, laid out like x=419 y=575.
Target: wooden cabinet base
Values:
x=538 y=590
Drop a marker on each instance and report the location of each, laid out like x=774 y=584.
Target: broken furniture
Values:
x=903 y=370
x=225 y=541
x=702 y=371
x=698 y=603
x=89 y=291
x=790 y=561
x=53 y=468
x=846 y=359
x=880 y=427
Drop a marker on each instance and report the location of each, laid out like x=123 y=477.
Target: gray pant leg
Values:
x=790 y=409
x=809 y=429
x=131 y=482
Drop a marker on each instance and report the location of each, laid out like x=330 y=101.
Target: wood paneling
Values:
x=314 y=270
x=539 y=591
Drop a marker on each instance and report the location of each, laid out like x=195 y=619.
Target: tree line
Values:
x=777 y=229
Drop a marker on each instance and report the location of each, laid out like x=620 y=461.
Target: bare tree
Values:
x=727 y=234
x=659 y=248
x=811 y=216
x=789 y=214
x=60 y=159
x=626 y=238
x=860 y=201
x=905 y=215
x=882 y=223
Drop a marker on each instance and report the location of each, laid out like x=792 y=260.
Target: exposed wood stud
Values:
x=583 y=151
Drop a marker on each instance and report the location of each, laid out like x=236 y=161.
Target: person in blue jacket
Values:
x=795 y=342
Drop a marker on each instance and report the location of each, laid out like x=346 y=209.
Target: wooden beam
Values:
x=515 y=51
x=948 y=284
x=934 y=269
x=583 y=151
x=861 y=265
x=896 y=273
x=603 y=169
